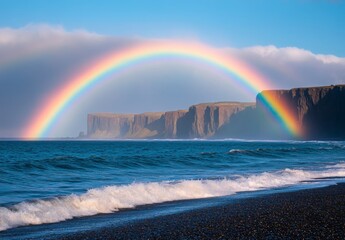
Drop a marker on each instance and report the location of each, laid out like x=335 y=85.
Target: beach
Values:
x=306 y=214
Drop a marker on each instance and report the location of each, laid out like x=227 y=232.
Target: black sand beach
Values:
x=306 y=214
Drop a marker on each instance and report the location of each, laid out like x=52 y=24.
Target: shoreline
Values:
x=303 y=213
x=310 y=213
x=317 y=213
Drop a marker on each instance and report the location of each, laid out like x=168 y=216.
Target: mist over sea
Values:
x=54 y=181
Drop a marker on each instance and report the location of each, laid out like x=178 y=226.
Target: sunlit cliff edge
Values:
x=320 y=112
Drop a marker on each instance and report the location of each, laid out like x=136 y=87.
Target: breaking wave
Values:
x=114 y=198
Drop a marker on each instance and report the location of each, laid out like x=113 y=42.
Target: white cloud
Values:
x=43 y=33
x=291 y=67
x=292 y=54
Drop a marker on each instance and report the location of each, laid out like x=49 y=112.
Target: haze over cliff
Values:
x=320 y=112
x=199 y=121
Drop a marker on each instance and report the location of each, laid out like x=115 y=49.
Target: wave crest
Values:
x=113 y=198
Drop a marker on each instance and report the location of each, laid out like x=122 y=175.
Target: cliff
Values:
x=320 y=112
x=199 y=121
x=109 y=125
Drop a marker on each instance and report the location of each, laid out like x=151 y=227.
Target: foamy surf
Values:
x=113 y=198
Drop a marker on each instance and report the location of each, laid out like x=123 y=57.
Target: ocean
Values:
x=43 y=183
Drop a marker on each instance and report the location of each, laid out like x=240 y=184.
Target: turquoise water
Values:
x=53 y=181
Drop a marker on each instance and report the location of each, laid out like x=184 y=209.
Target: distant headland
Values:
x=319 y=113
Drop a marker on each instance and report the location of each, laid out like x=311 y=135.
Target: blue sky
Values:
x=317 y=25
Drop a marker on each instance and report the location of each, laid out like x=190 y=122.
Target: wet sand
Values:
x=305 y=214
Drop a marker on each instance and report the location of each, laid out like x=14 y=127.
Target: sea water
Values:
x=52 y=181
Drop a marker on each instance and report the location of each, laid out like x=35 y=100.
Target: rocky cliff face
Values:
x=199 y=121
x=320 y=110
x=204 y=120
x=109 y=125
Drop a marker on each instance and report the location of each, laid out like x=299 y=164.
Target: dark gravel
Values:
x=306 y=214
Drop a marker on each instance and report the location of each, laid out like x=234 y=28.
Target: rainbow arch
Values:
x=47 y=114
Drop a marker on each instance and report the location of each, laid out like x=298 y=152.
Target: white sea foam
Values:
x=238 y=151
x=112 y=198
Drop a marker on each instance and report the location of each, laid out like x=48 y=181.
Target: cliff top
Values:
x=218 y=104
x=127 y=115
x=306 y=88
x=107 y=114
x=157 y=114
x=320 y=87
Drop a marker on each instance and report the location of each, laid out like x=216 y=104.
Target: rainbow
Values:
x=49 y=112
